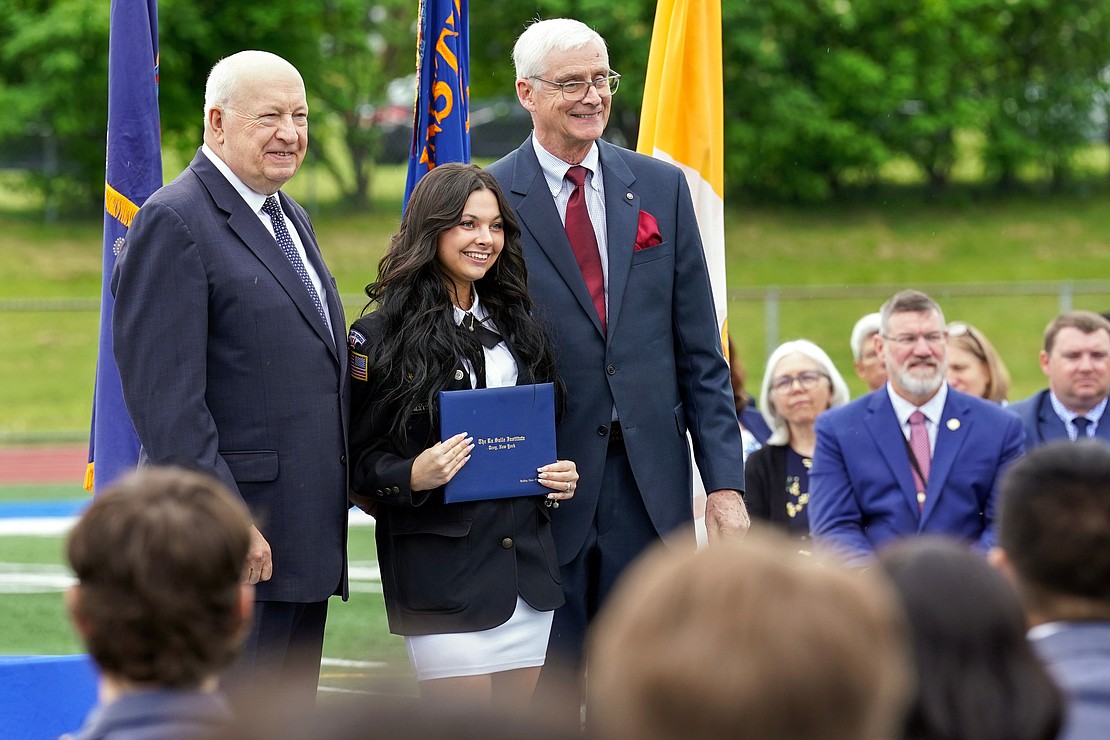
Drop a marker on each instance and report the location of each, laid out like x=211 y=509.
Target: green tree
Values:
x=53 y=78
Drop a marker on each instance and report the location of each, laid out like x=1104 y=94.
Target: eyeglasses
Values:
x=973 y=343
x=576 y=90
x=934 y=339
x=808 y=380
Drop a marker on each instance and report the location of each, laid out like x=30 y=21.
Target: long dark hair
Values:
x=977 y=675
x=420 y=346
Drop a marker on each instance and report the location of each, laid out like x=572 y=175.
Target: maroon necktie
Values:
x=919 y=446
x=583 y=240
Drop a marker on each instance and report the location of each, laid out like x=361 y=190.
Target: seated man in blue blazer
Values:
x=1053 y=526
x=1076 y=360
x=914 y=456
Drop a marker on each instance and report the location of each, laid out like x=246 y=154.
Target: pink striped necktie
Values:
x=919 y=446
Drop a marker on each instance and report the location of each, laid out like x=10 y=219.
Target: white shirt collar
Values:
x=933 y=408
x=477 y=309
x=1067 y=415
x=555 y=169
x=252 y=198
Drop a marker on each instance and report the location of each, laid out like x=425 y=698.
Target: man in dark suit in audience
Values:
x=914 y=457
x=1076 y=360
x=1053 y=530
x=230 y=341
x=617 y=272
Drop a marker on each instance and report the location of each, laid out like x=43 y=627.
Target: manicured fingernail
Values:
x=542 y=474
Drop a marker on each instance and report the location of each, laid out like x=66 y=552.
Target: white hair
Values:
x=555 y=34
x=228 y=74
x=780 y=432
x=866 y=327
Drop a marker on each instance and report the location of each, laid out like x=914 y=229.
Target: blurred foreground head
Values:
x=750 y=640
x=159 y=558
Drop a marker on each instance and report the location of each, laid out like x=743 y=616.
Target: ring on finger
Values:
x=569 y=486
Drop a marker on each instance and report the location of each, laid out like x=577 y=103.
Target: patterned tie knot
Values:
x=271 y=207
x=917 y=417
x=577 y=175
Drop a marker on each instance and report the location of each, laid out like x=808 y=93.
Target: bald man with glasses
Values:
x=914 y=456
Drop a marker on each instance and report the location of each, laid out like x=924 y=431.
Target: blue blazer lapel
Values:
x=247 y=226
x=538 y=215
x=622 y=211
x=882 y=423
x=953 y=428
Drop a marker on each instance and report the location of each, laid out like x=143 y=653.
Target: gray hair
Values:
x=908 y=301
x=780 y=432
x=228 y=73
x=555 y=34
x=867 y=326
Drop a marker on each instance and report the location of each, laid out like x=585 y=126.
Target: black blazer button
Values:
x=602 y=430
x=611 y=369
x=396 y=489
x=342 y=459
x=507 y=543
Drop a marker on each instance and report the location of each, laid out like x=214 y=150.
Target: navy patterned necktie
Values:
x=1081 y=424
x=273 y=209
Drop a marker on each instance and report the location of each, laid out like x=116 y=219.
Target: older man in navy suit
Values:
x=914 y=456
x=617 y=271
x=1053 y=529
x=229 y=336
x=1076 y=361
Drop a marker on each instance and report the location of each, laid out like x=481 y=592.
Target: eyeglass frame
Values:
x=613 y=78
x=785 y=383
x=932 y=338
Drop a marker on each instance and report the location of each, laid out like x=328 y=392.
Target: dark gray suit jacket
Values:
x=228 y=368
x=660 y=364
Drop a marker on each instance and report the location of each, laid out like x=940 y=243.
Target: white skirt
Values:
x=521 y=642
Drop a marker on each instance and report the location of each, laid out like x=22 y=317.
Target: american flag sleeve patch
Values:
x=358 y=364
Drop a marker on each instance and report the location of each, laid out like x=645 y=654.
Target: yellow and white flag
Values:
x=682 y=120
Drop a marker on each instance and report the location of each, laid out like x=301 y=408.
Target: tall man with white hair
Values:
x=230 y=340
x=617 y=272
x=915 y=457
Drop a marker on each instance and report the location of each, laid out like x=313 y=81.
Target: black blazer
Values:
x=445 y=567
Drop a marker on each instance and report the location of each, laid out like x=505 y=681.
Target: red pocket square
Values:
x=647 y=232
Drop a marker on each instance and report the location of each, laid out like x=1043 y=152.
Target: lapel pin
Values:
x=953 y=424
x=458 y=375
x=628 y=196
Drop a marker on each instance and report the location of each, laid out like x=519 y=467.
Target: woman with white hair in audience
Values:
x=800 y=383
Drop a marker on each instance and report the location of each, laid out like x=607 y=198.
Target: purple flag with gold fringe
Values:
x=133 y=171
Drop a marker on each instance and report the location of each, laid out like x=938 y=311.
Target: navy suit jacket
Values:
x=1078 y=657
x=862 y=493
x=1043 y=425
x=228 y=368
x=660 y=363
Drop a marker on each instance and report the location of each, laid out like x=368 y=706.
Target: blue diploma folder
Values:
x=514 y=433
